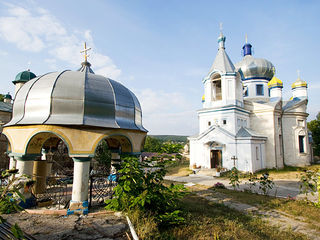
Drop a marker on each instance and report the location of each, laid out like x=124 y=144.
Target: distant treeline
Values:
x=170 y=138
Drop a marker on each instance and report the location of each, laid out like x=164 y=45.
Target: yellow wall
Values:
x=81 y=141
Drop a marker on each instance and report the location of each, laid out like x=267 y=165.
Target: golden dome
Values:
x=299 y=83
x=275 y=82
x=203 y=98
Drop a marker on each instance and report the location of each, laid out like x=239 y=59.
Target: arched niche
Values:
x=43 y=140
x=216 y=87
x=117 y=143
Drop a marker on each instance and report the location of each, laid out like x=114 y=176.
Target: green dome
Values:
x=24 y=76
x=8 y=96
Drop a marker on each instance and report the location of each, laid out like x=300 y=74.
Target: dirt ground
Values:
x=53 y=227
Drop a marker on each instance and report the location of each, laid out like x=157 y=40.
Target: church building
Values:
x=245 y=122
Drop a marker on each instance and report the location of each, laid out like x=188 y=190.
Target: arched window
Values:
x=302 y=142
x=216 y=87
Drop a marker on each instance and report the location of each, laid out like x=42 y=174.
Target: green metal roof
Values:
x=24 y=76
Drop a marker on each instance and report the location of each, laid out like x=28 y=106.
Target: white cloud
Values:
x=37 y=30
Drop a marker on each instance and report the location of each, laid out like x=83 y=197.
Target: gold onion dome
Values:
x=299 y=83
x=275 y=82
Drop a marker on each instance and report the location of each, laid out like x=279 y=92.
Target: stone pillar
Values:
x=25 y=164
x=40 y=176
x=12 y=163
x=79 y=200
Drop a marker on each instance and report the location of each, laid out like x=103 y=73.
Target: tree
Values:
x=314 y=127
x=103 y=154
x=152 y=145
x=171 y=147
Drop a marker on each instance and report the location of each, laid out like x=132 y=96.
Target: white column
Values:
x=12 y=163
x=79 y=201
x=25 y=166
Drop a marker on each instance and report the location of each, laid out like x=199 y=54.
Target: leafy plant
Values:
x=310 y=183
x=234 y=178
x=17 y=232
x=141 y=187
x=265 y=183
x=252 y=181
x=308 y=180
x=219 y=185
x=103 y=154
x=10 y=195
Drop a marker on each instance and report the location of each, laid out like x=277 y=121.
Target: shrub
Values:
x=310 y=182
x=219 y=185
x=265 y=183
x=141 y=188
x=9 y=193
x=234 y=178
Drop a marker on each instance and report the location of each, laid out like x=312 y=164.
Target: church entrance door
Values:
x=215 y=157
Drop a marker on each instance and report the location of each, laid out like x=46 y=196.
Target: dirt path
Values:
x=276 y=218
x=53 y=227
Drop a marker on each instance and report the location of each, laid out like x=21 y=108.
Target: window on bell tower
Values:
x=216 y=88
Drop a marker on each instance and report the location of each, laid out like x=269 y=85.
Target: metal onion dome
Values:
x=77 y=98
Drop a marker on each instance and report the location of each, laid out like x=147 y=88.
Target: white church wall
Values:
x=293 y=126
x=264 y=124
x=244 y=155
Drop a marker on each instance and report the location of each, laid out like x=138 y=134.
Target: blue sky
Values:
x=160 y=50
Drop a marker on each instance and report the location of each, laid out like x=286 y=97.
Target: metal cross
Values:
x=246 y=37
x=234 y=158
x=221 y=27
x=298 y=72
x=85 y=50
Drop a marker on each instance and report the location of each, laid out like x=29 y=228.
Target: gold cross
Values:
x=85 y=50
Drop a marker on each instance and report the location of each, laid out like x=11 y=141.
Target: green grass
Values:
x=209 y=220
x=297 y=208
x=179 y=167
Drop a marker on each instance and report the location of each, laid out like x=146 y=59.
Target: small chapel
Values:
x=245 y=122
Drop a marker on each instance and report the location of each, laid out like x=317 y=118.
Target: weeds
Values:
x=141 y=188
x=234 y=178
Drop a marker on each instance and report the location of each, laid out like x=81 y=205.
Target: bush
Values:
x=219 y=185
x=234 y=178
x=141 y=188
x=9 y=193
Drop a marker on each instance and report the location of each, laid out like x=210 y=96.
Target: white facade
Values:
x=241 y=125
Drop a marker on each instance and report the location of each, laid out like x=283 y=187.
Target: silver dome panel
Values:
x=76 y=98
x=255 y=68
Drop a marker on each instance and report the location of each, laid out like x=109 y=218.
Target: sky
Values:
x=161 y=50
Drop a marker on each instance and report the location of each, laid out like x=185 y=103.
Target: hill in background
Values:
x=169 y=138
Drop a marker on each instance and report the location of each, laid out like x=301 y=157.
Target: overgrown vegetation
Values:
x=209 y=220
x=10 y=194
x=103 y=154
x=310 y=180
x=140 y=188
x=314 y=127
x=290 y=205
x=156 y=145
x=171 y=138
x=234 y=178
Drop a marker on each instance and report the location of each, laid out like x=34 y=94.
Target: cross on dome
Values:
x=85 y=50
